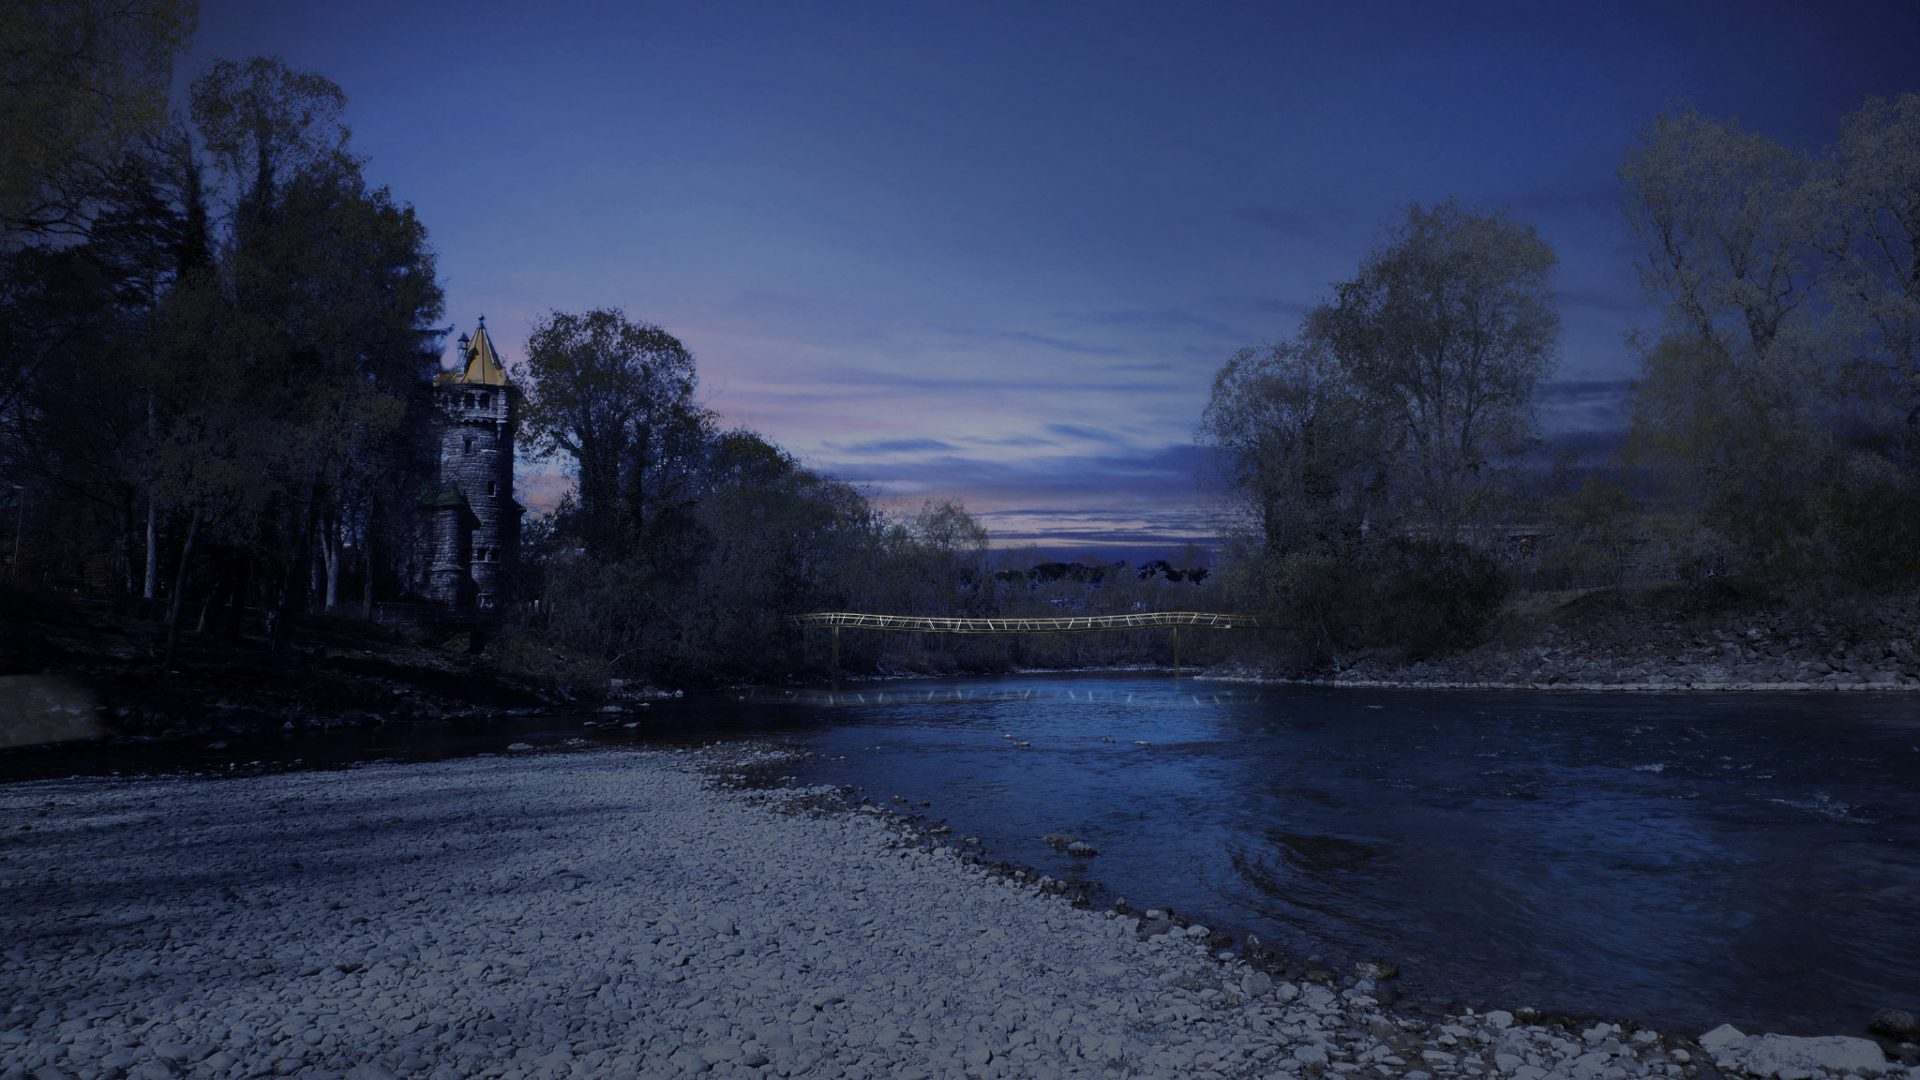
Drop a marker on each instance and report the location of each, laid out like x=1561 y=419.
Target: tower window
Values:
x=486 y=401
x=468 y=448
x=493 y=489
x=468 y=401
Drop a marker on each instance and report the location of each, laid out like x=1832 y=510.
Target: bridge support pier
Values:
x=834 y=664
x=1176 y=653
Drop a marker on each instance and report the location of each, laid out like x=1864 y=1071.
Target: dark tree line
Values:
x=1775 y=432
x=218 y=342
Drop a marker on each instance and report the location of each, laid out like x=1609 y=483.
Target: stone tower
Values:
x=475 y=533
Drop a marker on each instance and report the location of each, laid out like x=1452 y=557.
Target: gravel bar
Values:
x=617 y=913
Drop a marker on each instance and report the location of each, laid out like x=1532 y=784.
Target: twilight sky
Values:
x=998 y=251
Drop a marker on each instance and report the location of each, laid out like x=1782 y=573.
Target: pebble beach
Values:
x=621 y=913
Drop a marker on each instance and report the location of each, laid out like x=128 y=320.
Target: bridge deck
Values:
x=940 y=624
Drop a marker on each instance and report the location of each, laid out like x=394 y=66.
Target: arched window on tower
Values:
x=486 y=401
x=468 y=401
x=493 y=489
x=468 y=446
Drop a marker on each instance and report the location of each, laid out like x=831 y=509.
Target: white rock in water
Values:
x=1722 y=1037
x=1499 y=1018
x=1773 y=1055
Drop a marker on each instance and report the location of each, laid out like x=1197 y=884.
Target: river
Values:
x=1680 y=860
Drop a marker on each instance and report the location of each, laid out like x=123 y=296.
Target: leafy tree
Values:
x=1376 y=452
x=1444 y=334
x=1873 y=193
x=81 y=82
x=1779 y=404
x=261 y=121
x=1298 y=443
x=611 y=394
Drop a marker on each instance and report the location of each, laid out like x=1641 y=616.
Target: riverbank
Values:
x=1710 y=636
x=616 y=913
x=74 y=668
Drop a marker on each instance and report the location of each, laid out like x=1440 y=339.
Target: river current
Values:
x=1681 y=859
x=1678 y=859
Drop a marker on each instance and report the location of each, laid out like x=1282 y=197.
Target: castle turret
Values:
x=475 y=521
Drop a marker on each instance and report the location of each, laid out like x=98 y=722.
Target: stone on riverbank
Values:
x=1896 y=1024
x=1793 y=1057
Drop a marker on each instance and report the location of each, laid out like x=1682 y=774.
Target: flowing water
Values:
x=1678 y=859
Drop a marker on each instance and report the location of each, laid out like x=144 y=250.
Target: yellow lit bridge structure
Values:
x=1066 y=624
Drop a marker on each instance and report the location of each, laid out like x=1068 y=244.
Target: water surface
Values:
x=1682 y=859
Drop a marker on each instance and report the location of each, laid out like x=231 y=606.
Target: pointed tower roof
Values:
x=479 y=364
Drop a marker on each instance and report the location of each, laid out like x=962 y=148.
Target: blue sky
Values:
x=997 y=251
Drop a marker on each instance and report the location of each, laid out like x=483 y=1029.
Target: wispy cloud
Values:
x=982 y=336
x=892 y=446
x=1088 y=434
x=1168 y=319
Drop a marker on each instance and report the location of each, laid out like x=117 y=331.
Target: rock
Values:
x=1778 y=1055
x=1309 y=1055
x=1499 y=1018
x=520 y=746
x=1721 y=1038
x=1081 y=848
x=1255 y=983
x=1895 y=1024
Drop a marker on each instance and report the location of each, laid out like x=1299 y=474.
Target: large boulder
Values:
x=1723 y=1038
x=1790 y=1055
x=1896 y=1024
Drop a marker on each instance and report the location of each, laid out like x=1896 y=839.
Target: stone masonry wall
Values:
x=476 y=458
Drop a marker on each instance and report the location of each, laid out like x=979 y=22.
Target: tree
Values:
x=1376 y=451
x=1297 y=441
x=606 y=391
x=1779 y=404
x=1444 y=334
x=262 y=121
x=81 y=81
x=1873 y=190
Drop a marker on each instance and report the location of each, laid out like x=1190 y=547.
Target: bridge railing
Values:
x=942 y=624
